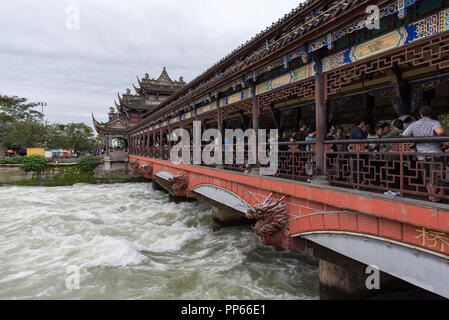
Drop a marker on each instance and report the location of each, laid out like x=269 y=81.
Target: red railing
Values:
x=400 y=171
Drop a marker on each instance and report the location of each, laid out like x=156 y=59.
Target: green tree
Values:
x=88 y=163
x=25 y=134
x=19 y=108
x=73 y=136
x=21 y=126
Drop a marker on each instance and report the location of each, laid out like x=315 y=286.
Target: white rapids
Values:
x=129 y=242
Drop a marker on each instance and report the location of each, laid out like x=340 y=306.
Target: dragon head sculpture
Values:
x=271 y=217
x=180 y=183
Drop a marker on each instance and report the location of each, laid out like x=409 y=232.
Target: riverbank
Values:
x=60 y=174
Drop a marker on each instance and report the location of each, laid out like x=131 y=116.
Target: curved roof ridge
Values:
x=164 y=77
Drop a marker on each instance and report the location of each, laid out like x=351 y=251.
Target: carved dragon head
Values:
x=180 y=182
x=271 y=216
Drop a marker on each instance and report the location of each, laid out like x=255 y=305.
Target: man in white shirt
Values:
x=426 y=127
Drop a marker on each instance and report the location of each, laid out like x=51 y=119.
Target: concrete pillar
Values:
x=157 y=186
x=224 y=217
x=345 y=280
x=342 y=278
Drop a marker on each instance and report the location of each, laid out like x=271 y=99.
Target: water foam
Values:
x=129 y=236
x=110 y=252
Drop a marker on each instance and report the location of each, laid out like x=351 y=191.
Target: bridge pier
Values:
x=342 y=278
x=157 y=186
x=224 y=217
x=112 y=165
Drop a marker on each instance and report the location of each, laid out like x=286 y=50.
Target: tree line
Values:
x=22 y=126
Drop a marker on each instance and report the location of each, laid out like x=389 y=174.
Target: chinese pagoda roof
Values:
x=129 y=101
x=164 y=84
x=114 y=126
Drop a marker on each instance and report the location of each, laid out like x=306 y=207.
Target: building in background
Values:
x=132 y=108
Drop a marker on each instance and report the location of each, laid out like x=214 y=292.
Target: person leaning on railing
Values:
x=340 y=135
x=301 y=135
x=427 y=127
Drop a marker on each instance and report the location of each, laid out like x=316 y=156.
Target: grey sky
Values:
x=77 y=72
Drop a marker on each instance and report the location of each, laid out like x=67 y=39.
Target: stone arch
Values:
x=396 y=258
x=164 y=174
x=223 y=196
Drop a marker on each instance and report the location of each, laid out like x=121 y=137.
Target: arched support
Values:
x=228 y=208
x=166 y=175
x=421 y=269
x=222 y=196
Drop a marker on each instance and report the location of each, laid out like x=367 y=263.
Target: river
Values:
x=127 y=241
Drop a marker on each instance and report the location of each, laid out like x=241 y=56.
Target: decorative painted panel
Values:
x=207 y=108
x=174 y=120
x=239 y=96
x=188 y=115
x=444 y=20
x=422 y=29
x=398 y=7
x=286 y=79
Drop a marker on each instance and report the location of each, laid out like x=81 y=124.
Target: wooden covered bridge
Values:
x=325 y=63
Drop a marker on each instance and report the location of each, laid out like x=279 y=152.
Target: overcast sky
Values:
x=78 y=72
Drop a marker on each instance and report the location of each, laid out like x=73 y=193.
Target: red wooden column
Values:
x=134 y=144
x=161 y=146
x=256 y=116
x=138 y=143
x=148 y=141
x=321 y=118
x=161 y=134
x=219 y=118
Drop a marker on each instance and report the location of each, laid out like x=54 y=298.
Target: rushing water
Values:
x=129 y=242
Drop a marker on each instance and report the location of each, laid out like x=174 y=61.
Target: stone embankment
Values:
x=112 y=169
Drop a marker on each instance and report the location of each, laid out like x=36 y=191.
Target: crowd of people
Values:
x=430 y=161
